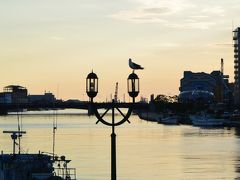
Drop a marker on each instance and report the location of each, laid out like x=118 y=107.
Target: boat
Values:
x=206 y=120
x=235 y=115
x=170 y=120
x=149 y=116
x=39 y=166
x=36 y=166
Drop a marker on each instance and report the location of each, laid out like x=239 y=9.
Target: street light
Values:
x=92 y=90
x=133 y=85
x=92 y=85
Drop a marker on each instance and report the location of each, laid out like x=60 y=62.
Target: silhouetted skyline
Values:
x=53 y=45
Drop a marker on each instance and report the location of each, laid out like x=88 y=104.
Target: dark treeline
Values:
x=165 y=104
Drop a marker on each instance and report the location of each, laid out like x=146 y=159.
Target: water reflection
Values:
x=237 y=157
x=145 y=150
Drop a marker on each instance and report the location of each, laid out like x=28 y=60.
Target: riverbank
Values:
x=185 y=119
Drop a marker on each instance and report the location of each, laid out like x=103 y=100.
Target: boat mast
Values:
x=19 y=135
x=15 y=135
x=54 y=131
x=19 y=129
x=55 y=122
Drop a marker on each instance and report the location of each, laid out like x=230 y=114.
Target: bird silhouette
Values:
x=133 y=65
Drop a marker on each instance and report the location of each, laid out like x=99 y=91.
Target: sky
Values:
x=51 y=45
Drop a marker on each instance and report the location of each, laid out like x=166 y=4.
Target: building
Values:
x=45 y=98
x=197 y=81
x=5 y=98
x=236 y=39
x=14 y=94
x=201 y=85
x=196 y=96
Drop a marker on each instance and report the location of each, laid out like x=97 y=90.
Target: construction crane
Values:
x=116 y=93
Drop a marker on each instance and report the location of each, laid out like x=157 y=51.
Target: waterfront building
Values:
x=43 y=98
x=5 y=98
x=14 y=94
x=196 y=96
x=204 y=86
x=236 y=39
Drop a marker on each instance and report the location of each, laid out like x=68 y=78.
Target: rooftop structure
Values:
x=14 y=94
x=14 y=88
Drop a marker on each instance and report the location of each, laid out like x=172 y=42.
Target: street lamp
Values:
x=92 y=85
x=133 y=85
x=92 y=90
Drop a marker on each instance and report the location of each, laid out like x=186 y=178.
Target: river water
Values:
x=145 y=150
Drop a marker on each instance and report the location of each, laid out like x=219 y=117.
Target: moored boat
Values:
x=33 y=166
x=150 y=116
x=170 y=120
x=206 y=120
x=39 y=166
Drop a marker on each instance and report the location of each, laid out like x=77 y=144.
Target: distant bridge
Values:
x=5 y=108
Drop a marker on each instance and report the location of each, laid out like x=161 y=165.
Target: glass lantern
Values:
x=92 y=85
x=133 y=85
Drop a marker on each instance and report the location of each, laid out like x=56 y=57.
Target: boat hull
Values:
x=169 y=120
x=206 y=121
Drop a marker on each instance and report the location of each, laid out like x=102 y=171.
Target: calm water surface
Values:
x=144 y=150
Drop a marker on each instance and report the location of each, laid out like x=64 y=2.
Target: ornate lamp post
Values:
x=92 y=90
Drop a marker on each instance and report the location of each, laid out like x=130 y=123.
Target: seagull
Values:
x=133 y=65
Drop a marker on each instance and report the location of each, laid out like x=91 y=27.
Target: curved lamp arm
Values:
x=100 y=117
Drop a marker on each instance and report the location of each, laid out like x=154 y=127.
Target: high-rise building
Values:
x=236 y=40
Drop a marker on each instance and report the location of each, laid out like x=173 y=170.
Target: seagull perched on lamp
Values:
x=133 y=65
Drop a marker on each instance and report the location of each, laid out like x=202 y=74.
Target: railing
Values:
x=66 y=173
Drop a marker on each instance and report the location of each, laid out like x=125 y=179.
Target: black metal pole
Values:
x=90 y=107
x=114 y=168
x=14 y=142
x=113 y=148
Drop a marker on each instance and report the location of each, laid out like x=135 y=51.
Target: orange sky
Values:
x=50 y=44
